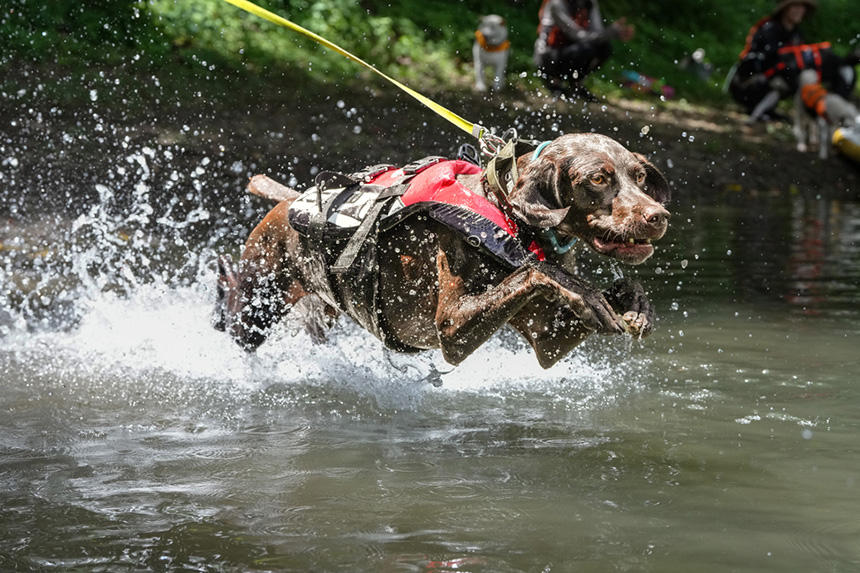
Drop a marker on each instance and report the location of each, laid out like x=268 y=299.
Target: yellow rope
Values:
x=463 y=124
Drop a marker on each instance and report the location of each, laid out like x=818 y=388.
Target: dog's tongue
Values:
x=621 y=249
x=606 y=247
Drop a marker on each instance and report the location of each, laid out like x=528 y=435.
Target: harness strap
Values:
x=356 y=242
x=369 y=173
x=501 y=176
x=316 y=231
x=421 y=164
x=317 y=223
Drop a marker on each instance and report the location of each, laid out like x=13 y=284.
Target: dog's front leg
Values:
x=480 y=84
x=500 y=70
x=465 y=321
x=628 y=298
x=551 y=329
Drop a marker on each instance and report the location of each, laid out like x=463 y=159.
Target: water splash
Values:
x=117 y=296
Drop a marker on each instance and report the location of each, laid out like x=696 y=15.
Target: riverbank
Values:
x=67 y=132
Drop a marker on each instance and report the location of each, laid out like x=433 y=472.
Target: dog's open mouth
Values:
x=628 y=248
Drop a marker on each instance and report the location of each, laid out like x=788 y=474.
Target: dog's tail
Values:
x=262 y=186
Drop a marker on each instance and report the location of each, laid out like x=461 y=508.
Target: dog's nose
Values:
x=656 y=215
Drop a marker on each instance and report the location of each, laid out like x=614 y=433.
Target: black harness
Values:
x=339 y=221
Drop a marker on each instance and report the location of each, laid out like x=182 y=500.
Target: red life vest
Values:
x=432 y=187
x=438 y=184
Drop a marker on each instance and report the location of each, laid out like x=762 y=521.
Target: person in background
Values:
x=572 y=42
x=774 y=56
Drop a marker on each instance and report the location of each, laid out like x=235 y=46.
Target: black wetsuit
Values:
x=762 y=68
x=750 y=84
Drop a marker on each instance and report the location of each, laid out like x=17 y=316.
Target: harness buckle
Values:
x=468 y=152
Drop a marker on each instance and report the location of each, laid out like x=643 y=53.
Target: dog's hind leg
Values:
x=249 y=303
x=317 y=316
x=260 y=290
x=225 y=285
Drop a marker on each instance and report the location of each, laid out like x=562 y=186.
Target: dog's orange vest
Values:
x=814 y=97
x=486 y=46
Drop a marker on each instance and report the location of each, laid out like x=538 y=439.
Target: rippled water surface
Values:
x=133 y=436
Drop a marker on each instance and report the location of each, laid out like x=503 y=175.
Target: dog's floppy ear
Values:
x=532 y=195
x=655 y=183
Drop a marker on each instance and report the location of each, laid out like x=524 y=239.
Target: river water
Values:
x=133 y=436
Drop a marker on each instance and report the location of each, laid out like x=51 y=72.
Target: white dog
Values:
x=817 y=113
x=491 y=51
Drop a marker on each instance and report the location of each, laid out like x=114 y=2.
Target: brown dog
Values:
x=435 y=289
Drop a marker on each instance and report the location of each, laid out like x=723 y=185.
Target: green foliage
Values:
x=394 y=44
x=668 y=31
x=101 y=29
x=426 y=43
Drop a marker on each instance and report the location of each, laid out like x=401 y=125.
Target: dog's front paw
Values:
x=592 y=309
x=604 y=319
x=589 y=305
x=628 y=299
x=637 y=324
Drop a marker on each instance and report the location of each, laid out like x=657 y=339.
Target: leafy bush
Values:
x=426 y=43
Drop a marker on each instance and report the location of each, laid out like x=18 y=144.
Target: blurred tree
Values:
x=95 y=21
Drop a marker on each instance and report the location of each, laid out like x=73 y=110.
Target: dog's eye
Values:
x=598 y=179
x=640 y=178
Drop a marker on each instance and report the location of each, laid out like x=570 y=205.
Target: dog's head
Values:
x=591 y=187
x=494 y=29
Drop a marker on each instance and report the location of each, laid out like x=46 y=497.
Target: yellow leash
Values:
x=473 y=128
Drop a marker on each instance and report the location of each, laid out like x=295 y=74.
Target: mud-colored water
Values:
x=133 y=436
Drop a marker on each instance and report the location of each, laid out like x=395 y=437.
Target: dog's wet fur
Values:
x=437 y=291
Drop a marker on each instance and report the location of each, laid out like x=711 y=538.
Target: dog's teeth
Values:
x=647 y=241
x=631 y=240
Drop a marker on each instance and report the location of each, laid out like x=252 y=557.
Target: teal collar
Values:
x=539 y=149
x=551 y=236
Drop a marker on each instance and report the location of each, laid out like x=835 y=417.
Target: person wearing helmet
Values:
x=572 y=42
